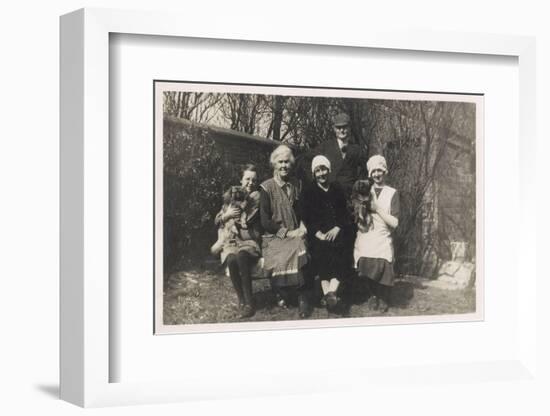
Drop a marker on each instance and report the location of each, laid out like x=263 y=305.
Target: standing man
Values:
x=347 y=159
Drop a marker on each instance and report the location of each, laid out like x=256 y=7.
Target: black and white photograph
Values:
x=310 y=205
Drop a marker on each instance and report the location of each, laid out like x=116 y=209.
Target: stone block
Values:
x=459 y=249
x=454 y=275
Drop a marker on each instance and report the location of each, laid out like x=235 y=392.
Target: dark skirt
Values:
x=329 y=259
x=379 y=270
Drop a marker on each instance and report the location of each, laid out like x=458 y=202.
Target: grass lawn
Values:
x=206 y=296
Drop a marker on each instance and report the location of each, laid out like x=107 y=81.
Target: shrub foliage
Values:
x=197 y=170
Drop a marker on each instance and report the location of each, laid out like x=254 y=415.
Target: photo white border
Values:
x=163 y=86
x=85 y=191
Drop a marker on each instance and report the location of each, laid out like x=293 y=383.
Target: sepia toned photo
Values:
x=285 y=206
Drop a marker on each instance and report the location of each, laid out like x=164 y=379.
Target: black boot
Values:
x=247 y=311
x=234 y=274
x=304 y=309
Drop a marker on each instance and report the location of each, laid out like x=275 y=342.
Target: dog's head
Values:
x=234 y=195
x=361 y=191
x=361 y=197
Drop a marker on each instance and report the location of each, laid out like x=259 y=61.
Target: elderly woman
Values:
x=242 y=253
x=283 y=241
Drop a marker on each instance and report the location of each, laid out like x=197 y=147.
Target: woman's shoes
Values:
x=281 y=302
x=331 y=299
x=373 y=303
x=377 y=304
x=383 y=306
x=247 y=311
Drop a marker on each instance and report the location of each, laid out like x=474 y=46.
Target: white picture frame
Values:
x=85 y=199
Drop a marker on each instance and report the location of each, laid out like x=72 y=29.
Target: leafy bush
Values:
x=197 y=170
x=193 y=180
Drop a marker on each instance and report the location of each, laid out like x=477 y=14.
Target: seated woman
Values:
x=241 y=252
x=283 y=241
x=327 y=219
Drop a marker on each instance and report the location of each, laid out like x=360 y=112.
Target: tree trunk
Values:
x=277 y=117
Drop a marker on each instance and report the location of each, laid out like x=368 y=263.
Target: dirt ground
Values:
x=207 y=296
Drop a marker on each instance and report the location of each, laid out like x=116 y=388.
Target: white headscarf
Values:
x=319 y=160
x=376 y=162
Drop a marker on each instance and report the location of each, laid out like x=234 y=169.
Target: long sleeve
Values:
x=218 y=220
x=324 y=210
x=308 y=204
x=340 y=204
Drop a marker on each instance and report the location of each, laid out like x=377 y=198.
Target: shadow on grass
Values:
x=201 y=296
x=264 y=299
x=402 y=293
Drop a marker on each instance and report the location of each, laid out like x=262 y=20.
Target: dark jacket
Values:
x=322 y=210
x=344 y=171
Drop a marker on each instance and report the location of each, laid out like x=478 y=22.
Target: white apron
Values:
x=376 y=243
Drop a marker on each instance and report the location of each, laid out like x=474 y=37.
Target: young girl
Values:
x=241 y=252
x=327 y=219
x=373 y=251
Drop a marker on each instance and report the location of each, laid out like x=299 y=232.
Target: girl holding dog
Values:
x=373 y=251
x=241 y=253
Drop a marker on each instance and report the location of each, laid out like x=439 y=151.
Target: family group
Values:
x=319 y=232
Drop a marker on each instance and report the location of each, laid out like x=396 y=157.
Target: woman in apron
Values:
x=283 y=241
x=373 y=251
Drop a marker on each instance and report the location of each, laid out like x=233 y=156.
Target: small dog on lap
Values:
x=230 y=230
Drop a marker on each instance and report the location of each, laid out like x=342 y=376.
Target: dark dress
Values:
x=344 y=171
x=322 y=210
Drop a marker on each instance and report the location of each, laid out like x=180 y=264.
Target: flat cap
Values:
x=341 y=119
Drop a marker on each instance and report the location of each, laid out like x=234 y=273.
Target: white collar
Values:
x=341 y=143
x=323 y=189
